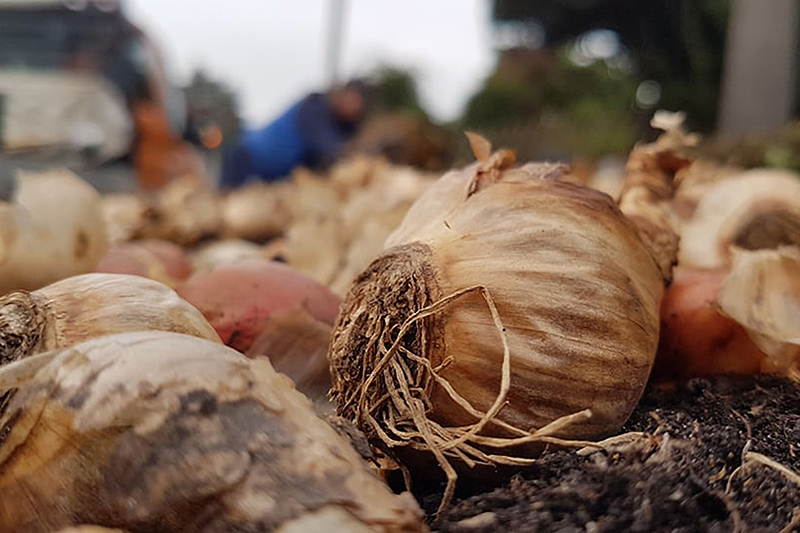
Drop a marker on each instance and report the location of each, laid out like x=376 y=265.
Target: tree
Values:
x=678 y=43
x=396 y=90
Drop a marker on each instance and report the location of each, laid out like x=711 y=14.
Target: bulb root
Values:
x=399 y=416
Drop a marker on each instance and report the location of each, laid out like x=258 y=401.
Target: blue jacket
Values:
x=306 y=134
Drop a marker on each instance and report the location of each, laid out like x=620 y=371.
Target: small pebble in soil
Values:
x=479 y=521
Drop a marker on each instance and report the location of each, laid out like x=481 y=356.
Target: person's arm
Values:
x=325 y=139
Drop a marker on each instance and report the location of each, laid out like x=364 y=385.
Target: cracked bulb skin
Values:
x=161 y=431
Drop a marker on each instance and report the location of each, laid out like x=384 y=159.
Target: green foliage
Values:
x=678 y=43
x=501 y=103
x=586 y=109
x=395 y=90
x=779 y=149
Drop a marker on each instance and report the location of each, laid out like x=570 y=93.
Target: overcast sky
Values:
x=272 y=51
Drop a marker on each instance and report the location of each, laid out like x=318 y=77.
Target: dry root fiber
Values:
x=458 y=342
x=395 y=390
x=670 y=474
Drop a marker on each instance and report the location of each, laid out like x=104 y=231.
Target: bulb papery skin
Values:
x=576 y=289
x=756 y=209
x=53 y=229
x=159 y=431
x=88 y=306
x=762 y=293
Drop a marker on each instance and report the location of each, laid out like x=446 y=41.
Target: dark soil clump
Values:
x=684 y=474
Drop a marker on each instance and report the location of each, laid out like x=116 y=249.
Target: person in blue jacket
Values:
x=312 y=133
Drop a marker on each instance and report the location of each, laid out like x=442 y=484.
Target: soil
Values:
x=683 y=475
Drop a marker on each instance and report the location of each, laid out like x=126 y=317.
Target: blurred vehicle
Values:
x=82 y=86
